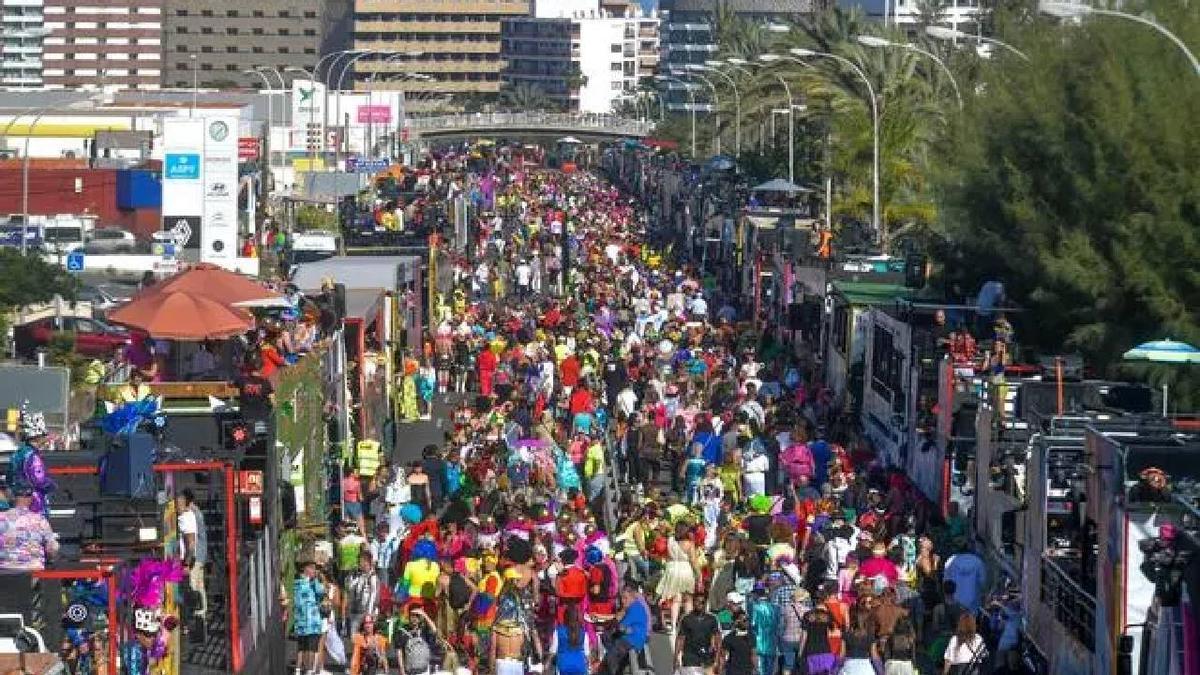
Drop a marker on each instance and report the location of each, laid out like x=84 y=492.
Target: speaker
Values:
x=129 y=467
x=339 y=300
x=795 y=316
x=914 y=270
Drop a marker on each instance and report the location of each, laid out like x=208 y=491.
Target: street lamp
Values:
x=944 y=33
x=714 y=67
x=1065 y=10
x=688 y=87
x=195 y=84
x=689 y=70
x=85 y=104
x=873 y=41
x=877 y=222
x=266 y=151
x=771 y=58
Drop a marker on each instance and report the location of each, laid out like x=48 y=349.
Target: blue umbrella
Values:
x=1164 y=351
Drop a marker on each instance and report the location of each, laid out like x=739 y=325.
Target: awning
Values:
x=780 y=185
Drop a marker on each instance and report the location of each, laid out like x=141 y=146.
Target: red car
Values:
x=92 y=337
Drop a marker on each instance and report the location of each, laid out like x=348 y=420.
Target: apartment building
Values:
x=455 y=42
x=220 y=40
x=582 y=56
x=906 y=14
x=96 y=43
x=21 y=50
x=689 y=33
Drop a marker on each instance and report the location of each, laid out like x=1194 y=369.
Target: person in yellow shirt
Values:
x=134 y=390
x=593 y=468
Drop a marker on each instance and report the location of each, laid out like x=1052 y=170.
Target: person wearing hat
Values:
x=26 y=464
x=307 y=594
x=27 y=541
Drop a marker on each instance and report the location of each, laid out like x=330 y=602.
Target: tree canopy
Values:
x=27 y=279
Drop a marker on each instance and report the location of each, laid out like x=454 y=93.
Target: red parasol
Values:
x=215 y=283
x=176 y=315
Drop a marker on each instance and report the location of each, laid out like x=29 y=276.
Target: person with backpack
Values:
x=414 y=651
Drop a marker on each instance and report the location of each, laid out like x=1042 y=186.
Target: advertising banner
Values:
x=248 y=147
x=374 y=114
x=182 y=186
x=308 y=113
x=218 y=241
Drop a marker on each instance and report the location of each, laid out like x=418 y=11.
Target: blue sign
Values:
x=183 y=166
x=361 y=165
x=75 y=260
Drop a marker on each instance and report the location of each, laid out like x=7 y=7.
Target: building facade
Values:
x=96 y=43
x=689 y=34
x=906 y=14
x=220 y=40
x=456 y=43
x=21 y=54
x=582 y=57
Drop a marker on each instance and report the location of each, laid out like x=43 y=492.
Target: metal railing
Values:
x=1072 y=606
x=564 y=122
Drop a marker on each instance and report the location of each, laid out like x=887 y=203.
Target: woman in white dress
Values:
x=680 y=574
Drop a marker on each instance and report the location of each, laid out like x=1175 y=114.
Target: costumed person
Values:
x=146 y=651
x=27 y=466
x=419 y=584
x=409 y=397
x=487 y=363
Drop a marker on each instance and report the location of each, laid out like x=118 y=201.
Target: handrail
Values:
x=566 y=122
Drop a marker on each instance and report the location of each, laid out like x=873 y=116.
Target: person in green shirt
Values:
x=593 y=467
x=348 y=549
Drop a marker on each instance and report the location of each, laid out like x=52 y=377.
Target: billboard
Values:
x=308 y=113
x=182 y=186
x=219 y=233
x=374 y=114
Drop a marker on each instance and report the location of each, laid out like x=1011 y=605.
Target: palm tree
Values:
x=524 y=96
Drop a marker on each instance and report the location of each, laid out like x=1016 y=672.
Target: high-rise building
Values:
x=579 y=55
x=958 y=14
x=96 y=43
x=21 y=53
x=689 y=33
x=454 y=42
x=221 y=39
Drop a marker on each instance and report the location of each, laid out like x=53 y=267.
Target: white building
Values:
x=582 y=56
x=21 y=54
x=958 y=14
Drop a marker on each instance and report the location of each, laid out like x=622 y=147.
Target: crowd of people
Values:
x=627 y=453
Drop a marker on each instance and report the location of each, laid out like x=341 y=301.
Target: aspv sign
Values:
x=181 y=166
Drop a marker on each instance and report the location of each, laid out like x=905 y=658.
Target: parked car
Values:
x=93 y=337
x=102 y=298
x=111 y=240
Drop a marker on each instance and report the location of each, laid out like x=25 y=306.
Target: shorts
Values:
x=307 y=643
x=821 y=663
x=352 y=509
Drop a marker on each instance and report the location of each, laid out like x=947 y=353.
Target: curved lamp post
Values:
x=944 y=33
x=874 y=41
x=688 y=87
x=691 y=72
x=875 y=205
x=714 y=67
x=1071 y=10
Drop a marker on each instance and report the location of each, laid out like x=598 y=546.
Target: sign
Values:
x=308 y=108
x=250 y=482
x=182 y=189
x=181 y=166
x=356 y=164
x=75 y=260
x=248 y=147
x=219 y=233
x=374 y=114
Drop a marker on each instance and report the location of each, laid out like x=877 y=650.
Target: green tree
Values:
x=526 y=97
x=1073 y=178
x=27 y=280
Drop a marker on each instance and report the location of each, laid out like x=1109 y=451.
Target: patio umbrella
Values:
x=177 y=315
x=214 y=283
x=1164 y=351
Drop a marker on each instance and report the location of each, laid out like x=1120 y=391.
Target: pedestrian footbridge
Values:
x=580 y=125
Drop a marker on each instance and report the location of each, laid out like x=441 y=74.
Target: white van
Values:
x=66 y=232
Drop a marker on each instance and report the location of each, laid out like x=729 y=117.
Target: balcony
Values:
x=430 y=46
x=513 y=7
x=426 y=27
x=28 y=64
x=455 y=66
x=1072 y=606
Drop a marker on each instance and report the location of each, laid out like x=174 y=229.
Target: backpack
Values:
x=417 y=654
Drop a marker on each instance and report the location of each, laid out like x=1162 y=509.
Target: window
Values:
x=310 y=32
x=181 y=48
x=181 y=12
x=617 y=86
x=205 y=66
x=886 y=364
x=206 y=30
x=256 y=50
x=231 y=49
x=206 y=12
x=283 y=50
x=616 y=48
x=206 y=49
x=615 y=67
x=310 y=50
x=841 y=329
x=284 y=14
x=182 y=65
x=181 y=29
x=232 y=13
x=231 y=30
x=310 y=15
x=258 y=14
x=284 y=31
x=257 y=31
x=230 y=66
